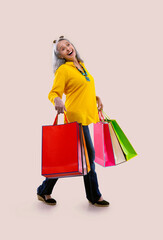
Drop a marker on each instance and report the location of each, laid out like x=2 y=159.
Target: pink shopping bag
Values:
x=108 y=151
x=103 y=146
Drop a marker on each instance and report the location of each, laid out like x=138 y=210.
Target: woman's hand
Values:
x=99 y=103
x=59 y=105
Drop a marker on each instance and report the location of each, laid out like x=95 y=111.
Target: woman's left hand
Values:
x=99 y=103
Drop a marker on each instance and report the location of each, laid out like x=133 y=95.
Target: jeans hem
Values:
x=93 y=202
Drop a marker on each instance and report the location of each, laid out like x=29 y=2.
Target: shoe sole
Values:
x=43 y=200
x=97 y=205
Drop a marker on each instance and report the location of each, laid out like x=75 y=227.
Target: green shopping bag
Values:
x=123 y=140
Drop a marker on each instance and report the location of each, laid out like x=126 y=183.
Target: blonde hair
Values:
x=57 y=62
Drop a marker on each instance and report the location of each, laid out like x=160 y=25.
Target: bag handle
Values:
x=56 y=119
x=101 y=116
x=105 y=114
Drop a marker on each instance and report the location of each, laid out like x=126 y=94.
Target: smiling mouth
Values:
x=70 y=53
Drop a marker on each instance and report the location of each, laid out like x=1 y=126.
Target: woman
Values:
x=73 y=79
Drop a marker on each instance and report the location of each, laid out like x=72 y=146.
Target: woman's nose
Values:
x=68 y=49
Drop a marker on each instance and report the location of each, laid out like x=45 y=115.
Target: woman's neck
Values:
x=75 y=61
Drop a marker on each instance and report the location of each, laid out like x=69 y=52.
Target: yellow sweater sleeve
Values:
x=58 y=84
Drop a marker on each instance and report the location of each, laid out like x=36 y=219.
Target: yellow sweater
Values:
x=80 y=94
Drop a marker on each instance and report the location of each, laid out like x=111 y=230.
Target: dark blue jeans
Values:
x=90 y=180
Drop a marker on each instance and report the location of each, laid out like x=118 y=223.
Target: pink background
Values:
x=121 y=44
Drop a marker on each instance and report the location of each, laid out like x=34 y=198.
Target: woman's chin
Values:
x=70 y=59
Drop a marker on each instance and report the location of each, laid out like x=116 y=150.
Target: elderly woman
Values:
x=81 y=105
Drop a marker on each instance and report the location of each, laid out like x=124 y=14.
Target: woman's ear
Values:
x=60 y=56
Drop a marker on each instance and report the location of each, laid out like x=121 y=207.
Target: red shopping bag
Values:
x=64 y=152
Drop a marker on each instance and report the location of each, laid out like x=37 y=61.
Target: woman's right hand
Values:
x=59 y=105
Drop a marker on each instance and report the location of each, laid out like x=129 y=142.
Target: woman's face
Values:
x=66 y=50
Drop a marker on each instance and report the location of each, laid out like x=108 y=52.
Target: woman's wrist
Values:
x=97 y=97
x=56 y=99
x=99 y=103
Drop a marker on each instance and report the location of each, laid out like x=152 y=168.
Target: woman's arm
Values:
x=55 y=95
x=99 y=103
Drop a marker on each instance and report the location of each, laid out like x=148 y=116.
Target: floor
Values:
x=132 y=212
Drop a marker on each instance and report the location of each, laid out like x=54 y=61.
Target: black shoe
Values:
x=102 y=203
x=50 y=201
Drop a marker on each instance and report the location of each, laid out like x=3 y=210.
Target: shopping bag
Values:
x=111 y=144
x=64 y=153
x=127 y=148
